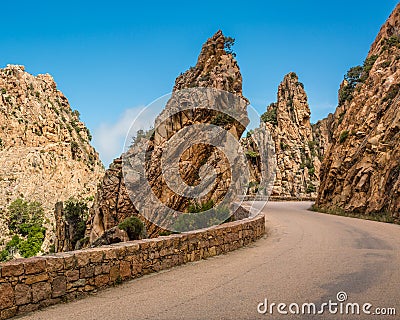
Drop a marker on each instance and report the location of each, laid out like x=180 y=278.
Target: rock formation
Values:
x=112 y=204
x=322 y=135
x=360 y=172
x=215 y=68
x=45 y=154
x=297 y=154
x=254 y=163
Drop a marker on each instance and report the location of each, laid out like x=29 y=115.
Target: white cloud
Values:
x=109 y=138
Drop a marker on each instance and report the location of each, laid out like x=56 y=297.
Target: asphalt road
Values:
x=306 y=257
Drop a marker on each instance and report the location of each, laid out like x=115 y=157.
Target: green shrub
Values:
x=24 y=215
x=343 y=136
x=311 y=144
x=89 y=135
x=270 y=115
x=314 y=148
x=52 y=248
x=345 y=94
x=283 y=145
x=252 y=154
x=141 y=134
x=76 y=114
x=249 y=133
x=74 y=149
x=392 y=41
x=384 y=216
x=392 y=92
x=298 y=83
x=341 y=116
x=385 y=64
x=31 y=246
x=228 y=44
x=311 y=188
x=26 y=219
x=253 y=184
x=367 y=66
x=76 y=214
x=200 y=207
x=133 y=226
x=10 y=249
x=166 y=233
x=4 y=256
x=75 y=126
x=307 y=163
x=222 y=119
x=355 y=75
x=201 y=216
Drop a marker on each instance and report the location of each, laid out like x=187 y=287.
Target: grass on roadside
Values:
x=380 y=217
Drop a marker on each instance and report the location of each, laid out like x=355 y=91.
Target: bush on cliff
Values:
x=270 y=115
x=201 y=215
x=133 y=226
x=76 y=214
x=355 y=75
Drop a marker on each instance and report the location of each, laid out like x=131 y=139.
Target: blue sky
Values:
x=112 y=58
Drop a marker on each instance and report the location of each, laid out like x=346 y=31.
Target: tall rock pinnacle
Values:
x=288 y=120
x=215 y=68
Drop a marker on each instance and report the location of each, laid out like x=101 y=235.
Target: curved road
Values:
x=306 y=257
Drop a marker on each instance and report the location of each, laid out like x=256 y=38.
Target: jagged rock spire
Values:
x=288 y=120
x=215 y=68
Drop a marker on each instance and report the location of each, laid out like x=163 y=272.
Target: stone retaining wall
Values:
x=30 y=284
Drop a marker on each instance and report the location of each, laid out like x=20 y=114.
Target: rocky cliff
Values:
x=360 y=172
x=45 y=151
x=215 y=68
x=298 y=155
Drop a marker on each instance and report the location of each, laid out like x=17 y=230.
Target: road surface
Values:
x=306 y=257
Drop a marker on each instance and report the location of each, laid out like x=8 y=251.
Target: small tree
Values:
x=26 y=220
x=74 y=149
x=31 y=246
x=76 y=214
x=343 y=136
x=24 y=215
x=201 y=215
x=228 y=44
x=141 y=134
x=133 y=226
x=353 y=76
x=270 y=115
